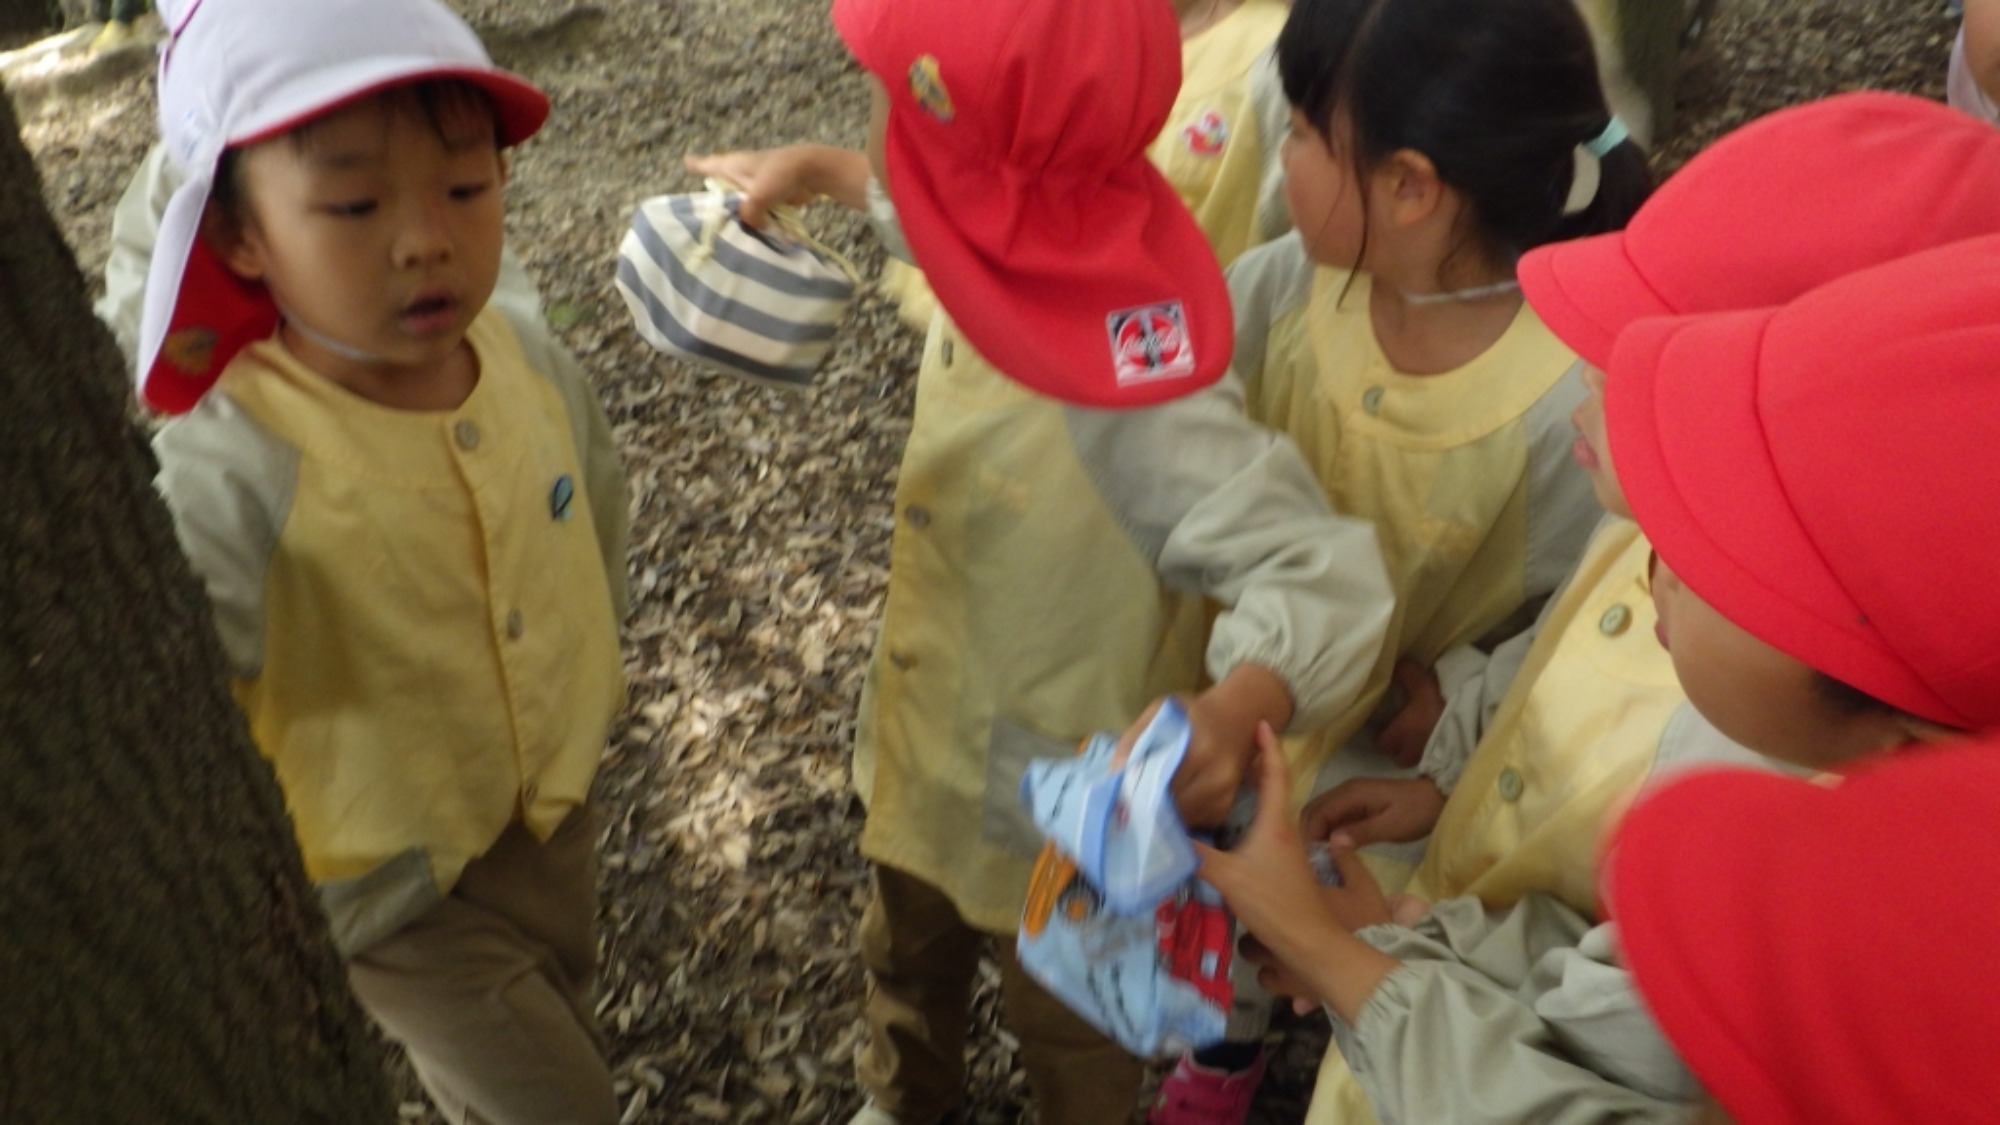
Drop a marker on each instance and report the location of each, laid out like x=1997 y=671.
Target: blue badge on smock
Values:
x=561 y=496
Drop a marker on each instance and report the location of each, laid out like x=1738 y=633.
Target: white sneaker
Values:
x=872 y=1114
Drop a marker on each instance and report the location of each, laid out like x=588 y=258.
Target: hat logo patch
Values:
x=927 y=86
x=1149 y=343
x=190 y=350
x=1208 y=135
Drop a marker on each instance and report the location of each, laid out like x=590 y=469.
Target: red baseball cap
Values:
x=1823 y=955
x=1016 y=156
x=1826 y=474
x=235 y=72
x=1787 y=202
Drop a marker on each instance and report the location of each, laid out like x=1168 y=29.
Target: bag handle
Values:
x=785 y=216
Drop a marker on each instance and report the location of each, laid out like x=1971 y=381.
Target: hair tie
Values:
x=1588 y=173
x=1611 y=136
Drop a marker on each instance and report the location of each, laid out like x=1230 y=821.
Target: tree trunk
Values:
x=162 y=958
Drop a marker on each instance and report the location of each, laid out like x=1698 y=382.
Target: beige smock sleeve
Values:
x=1273 y=216
x=135 y=226
x=1523 y=1014
x=229 y=484
x=1226 y=508
x=1512 y=1016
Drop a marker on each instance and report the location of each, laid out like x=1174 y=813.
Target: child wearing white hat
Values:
x=407 y=515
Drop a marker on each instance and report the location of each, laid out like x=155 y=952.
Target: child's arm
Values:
x=795 y=175
x=1482 y=1017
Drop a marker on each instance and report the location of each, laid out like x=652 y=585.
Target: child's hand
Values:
x=1303 y=940
x=1221 y=740
x=1266 y=878
x=1358 y=902
x=1371 y=809
x=1403 y=738
x=791 y=175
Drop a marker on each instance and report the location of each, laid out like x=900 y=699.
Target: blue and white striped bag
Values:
x=705 y=288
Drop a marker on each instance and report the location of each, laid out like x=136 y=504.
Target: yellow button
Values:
x=1371 y=400
x=919 y=516
x=514 y=625
x=467 y=434
x=1616 y=620
x=1511 y=784
x=903 y=660
x=944 y=352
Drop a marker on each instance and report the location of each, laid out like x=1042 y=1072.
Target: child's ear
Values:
x=231 y=241
x=506 y=165
x=1412 y=186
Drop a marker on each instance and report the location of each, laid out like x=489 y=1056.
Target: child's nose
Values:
x=424 y=238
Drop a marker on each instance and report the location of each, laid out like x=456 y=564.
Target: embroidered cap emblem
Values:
x=190 y=350
x=1208 y=135
x=1150 y=342
x=927 y=86
x=561 y=497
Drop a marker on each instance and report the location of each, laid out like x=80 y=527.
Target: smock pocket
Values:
x=1004 y=822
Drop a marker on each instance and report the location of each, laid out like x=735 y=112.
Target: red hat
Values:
x=235 y=72
x=1826 y=474
x=1016 y=155
x=1785 y=203
x=1823 y=955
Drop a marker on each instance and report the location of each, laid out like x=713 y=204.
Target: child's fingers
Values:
x=1274 y=773
x=1354 y=874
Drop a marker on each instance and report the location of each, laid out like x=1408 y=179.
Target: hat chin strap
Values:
x=323 y=340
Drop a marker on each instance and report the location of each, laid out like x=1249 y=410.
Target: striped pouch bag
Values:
x=703 y=287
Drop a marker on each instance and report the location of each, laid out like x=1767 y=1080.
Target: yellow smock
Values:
x=1019 y=620
x=1457 y=471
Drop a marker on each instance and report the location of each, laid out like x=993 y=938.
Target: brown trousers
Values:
x=921 y=959
x=489 y=993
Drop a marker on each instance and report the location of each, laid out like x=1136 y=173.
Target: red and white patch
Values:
x=1208 y=135
x=1150 y=342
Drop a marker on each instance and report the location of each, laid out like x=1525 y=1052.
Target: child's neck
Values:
x=433 y=387
x=1197 y=16
x=1423 y=329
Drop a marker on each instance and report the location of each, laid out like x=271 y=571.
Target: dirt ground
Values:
x=731 y=881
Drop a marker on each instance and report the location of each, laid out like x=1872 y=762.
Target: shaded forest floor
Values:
x=731 y=883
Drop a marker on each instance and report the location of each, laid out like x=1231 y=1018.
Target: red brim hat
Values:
x=1824 y=475
x=1821 y=955
x=236 y=72
x=1786 y=203
x=1016 y=158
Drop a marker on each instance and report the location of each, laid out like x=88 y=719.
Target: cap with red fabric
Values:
x=234 y=72
x=1787 y=202
x=1826 y=474
x=1016 y=160
x=1823 y=955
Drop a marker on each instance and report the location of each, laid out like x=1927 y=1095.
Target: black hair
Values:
x=446 y=105
x=1498 y=94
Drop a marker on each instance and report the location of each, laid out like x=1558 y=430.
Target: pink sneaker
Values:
x=1195 y=1095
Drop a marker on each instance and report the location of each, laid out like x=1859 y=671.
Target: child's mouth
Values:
x=427 y=316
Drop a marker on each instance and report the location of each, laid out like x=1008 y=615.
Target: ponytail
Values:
x=1498 y=94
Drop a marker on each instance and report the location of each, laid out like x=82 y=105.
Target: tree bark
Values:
x=161 y=954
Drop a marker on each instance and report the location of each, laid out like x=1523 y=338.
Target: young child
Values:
x=1570 y=718
x=1433 y=141
x=1019 y=617
x=1815 y=624
x=414 y=553
x=1723 y=886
